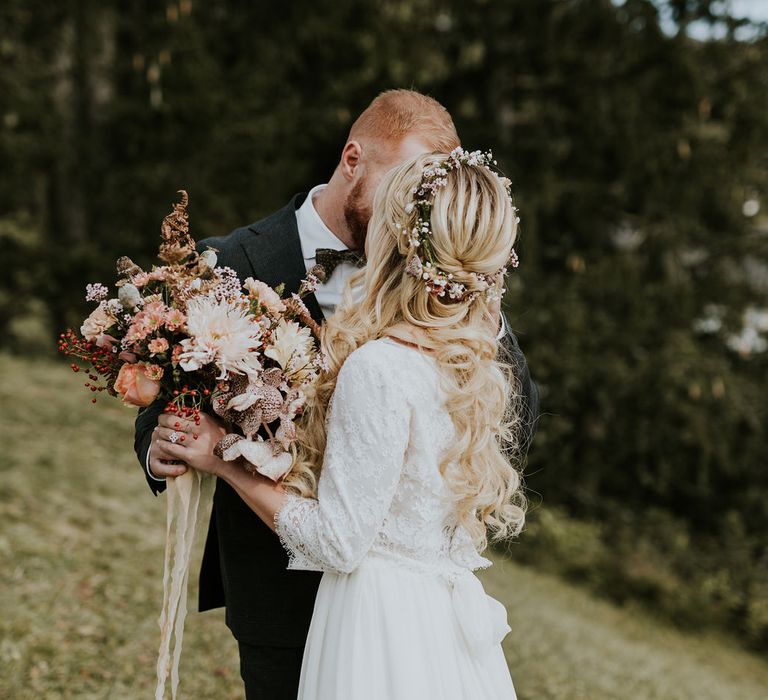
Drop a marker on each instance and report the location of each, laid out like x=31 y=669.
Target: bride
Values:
x=404 y=464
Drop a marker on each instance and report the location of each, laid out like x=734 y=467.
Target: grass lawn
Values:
x=81 y=563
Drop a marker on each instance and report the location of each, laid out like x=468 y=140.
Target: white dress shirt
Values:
x=314 y=234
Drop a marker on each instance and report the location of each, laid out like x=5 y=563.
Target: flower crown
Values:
x=422 y=262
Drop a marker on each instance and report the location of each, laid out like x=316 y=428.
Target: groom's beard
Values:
x=357 y=214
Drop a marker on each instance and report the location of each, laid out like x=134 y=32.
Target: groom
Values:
x=268 y=608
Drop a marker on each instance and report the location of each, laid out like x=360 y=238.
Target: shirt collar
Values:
x=313 y=233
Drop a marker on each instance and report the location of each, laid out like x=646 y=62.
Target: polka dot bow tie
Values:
x=330 y=259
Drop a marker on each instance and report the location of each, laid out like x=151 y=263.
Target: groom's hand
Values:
x=161 y=463
x=195 y=442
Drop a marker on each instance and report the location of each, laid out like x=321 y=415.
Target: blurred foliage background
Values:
x=636 y=134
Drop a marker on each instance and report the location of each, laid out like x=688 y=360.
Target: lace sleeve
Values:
x=368 y=432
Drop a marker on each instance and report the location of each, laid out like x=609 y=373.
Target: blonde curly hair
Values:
x=473 y=229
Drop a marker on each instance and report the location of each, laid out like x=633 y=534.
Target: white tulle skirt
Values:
x=386 y=632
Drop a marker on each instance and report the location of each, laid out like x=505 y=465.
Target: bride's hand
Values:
x=190 y=443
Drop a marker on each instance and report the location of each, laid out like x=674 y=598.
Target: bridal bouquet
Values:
x=190 y=334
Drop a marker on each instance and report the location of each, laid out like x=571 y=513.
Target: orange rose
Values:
x=134 y=386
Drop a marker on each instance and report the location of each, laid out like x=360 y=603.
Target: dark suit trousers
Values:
x=270 y=673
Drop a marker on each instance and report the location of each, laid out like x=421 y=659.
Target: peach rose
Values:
x=134 y=386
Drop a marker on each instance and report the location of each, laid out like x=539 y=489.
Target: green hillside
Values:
x=81 y=564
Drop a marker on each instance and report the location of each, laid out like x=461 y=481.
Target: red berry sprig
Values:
x=188 y=403
x=102 y=360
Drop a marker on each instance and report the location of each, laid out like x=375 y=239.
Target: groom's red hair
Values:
x=395 y=114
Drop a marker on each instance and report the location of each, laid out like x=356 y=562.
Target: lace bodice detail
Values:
x=380 y=491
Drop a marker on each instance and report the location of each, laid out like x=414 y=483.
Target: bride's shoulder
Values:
x=382 y=359
x=373 y=353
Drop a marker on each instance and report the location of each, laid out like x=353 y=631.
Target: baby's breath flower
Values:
x=96 y=292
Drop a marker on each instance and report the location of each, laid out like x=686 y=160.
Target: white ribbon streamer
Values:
x=185 y=494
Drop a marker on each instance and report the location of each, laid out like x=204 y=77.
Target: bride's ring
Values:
x=174 y=437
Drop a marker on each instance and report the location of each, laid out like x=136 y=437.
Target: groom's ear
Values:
x=350 y=159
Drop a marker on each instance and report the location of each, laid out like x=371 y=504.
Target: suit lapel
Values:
x=274 y=252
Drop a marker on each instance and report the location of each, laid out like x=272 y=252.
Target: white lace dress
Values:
x=399 y=614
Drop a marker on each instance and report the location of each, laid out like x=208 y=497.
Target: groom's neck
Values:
x=329 y=205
